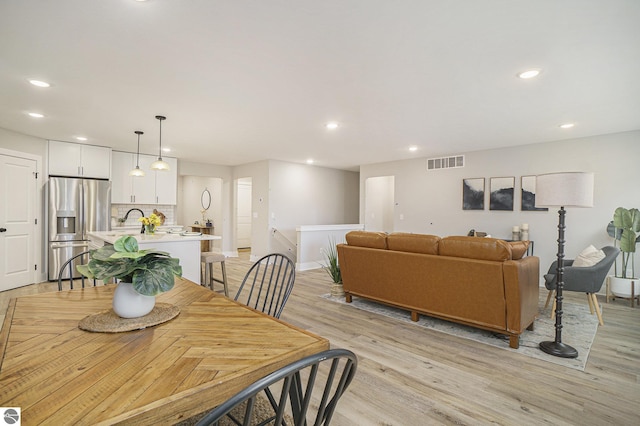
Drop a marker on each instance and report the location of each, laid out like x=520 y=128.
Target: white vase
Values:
x=128 y=303
x=625 y=287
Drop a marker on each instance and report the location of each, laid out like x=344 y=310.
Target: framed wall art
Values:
x=473 y=194
x=528 y=199
x=501 y=193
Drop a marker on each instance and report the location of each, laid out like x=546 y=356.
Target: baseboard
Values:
x=305 y=266
x=233 y=253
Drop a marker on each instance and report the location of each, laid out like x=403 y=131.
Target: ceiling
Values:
x=244 y=81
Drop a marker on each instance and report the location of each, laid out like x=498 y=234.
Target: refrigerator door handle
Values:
x=83 y=208
x=65 y=245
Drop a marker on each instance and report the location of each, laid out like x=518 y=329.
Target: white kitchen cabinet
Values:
x=152 y=188
x=167 y=183
x=121 y=189
x=127 y=189
x=144 y=188
x=74 y=159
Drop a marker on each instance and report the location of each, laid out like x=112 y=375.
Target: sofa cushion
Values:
x=475 y=248
x=368 y=239
x=413 y=243
x=518 y=249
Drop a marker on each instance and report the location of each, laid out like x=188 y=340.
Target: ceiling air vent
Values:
x=445 y=162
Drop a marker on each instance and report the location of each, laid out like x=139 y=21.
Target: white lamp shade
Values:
x=138 y=172
x=568 y=189
x=159 y=164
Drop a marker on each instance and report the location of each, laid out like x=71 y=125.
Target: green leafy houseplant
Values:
x=627 y=224
x=150 y=271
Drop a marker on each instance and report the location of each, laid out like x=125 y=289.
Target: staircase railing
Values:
x=290 y=247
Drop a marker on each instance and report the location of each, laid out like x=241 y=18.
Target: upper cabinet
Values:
x=74 y=159
x=167 y=183
x=153 y=188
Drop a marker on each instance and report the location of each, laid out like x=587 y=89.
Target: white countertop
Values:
x=158 y=237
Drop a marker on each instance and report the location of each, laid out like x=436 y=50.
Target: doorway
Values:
x=243 y=213
x=379 y=203
x=18 y=246
x=201 y=202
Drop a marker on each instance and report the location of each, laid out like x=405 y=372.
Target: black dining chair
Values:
x=68 y=271
x=268 y=283
x=325 y=375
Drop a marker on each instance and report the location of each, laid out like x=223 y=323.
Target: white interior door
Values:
x=18 y=191
x=243 y=213
x=379 y=203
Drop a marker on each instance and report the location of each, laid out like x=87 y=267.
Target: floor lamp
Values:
x=562 y=190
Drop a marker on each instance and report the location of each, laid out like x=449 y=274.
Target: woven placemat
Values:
x=109 y=322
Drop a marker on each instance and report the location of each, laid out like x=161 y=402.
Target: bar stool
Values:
x=209 y=258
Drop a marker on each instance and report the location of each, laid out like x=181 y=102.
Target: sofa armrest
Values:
x=522 y=288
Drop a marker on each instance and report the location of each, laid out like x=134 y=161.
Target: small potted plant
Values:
x=625 y=224
x=333 y=268
x=143 y=274
x=150 y=223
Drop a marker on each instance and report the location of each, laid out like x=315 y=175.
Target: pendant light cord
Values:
x=138 y=132
x=160 y=118
x=160 y=152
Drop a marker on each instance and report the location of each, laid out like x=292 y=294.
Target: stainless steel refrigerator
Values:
x=76 y=207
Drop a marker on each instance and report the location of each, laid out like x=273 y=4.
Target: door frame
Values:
x=379 y=202
x=39 y=275
x=237 y=182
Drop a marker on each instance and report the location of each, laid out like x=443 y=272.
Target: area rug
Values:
x=579 y=329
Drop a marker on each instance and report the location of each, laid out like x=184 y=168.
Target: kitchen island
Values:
x=184 y=247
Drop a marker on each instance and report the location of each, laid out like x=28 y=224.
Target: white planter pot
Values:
x=624 y=287
x=128 y=303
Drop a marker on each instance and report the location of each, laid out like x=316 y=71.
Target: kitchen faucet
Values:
x=141 y=213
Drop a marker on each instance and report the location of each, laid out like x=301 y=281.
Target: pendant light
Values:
x=137 y=171
x=160 y=164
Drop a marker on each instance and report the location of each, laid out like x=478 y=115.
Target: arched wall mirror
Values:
x=205 y=199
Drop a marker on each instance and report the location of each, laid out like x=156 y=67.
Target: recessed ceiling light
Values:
x=332 y=125
x=567 y=125
x=413 y=148
x=81 y=138
x=35 y=114
x=166 y=149
x=529 y=73
x=310 y=161
x=39 y=83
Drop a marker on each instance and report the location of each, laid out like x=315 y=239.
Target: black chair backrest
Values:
x=268 y=284
x=587 y=279
x=330 y=372
x=68 y=270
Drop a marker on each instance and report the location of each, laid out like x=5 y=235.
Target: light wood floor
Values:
x=411 y=376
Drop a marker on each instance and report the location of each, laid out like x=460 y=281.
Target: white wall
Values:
x=259 y=174
x=431 y=201
x=191 y=203
x=301 y=194
x=23 y=143
x=223 y=212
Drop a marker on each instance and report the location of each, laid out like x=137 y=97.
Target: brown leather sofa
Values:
x=480 y=282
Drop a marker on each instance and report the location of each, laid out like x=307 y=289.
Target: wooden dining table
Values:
x=59 y=374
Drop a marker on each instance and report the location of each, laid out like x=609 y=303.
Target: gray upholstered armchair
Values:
x=587 y=279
